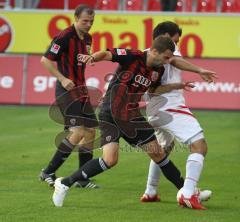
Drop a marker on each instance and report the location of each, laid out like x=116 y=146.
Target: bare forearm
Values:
x=182 y=64
x=49 y=65
x=166 y=88
x=169 y=87
x=65 y=82
x=96 y=57
x=102 y=56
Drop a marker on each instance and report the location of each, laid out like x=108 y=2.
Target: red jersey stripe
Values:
x=180 y=111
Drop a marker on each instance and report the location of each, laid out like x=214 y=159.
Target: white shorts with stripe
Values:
x=177 y=123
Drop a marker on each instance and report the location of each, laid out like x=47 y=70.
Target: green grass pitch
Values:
x=27 y=143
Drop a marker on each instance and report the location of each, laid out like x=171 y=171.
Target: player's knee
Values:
x=205 y=150
x=74 y=138
x=199 y=146
x=89 y=134
x=158 y=156
x=110 y=161
x=77 y=131
x=168 y=149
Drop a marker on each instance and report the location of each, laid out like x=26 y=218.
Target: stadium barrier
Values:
x=204 y=35
x=23 y=80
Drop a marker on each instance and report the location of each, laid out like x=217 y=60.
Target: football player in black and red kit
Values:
x=66 y=49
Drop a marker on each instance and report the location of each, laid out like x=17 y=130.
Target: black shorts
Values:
x=136 y=133
x=74 y=111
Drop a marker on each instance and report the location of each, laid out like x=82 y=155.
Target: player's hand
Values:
x=67 y=84
x=87 y=59
x=185 y=85
x=207 y=75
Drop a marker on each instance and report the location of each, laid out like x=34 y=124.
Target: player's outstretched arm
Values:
x=102 y=56
x=182 y=64
x=95 y=57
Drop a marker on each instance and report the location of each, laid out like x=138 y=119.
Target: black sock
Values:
x=64 y=150
x=84 y=156
x=90 y=169
x=171 y=172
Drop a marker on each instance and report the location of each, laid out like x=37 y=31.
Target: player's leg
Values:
x=110 y=143
x=86 y=145
x=95 y=166
x=64 y=149
x=200 y=146
x=64 y=107
x=151 y=191
x=165 y=139
x=90 y=169
x=158 y=119
x=163 y=121
x=188 y=131
x=149 y=143
x=159 y=156
x=84 y=119
x=194 y=167
x=85 y=154
x=187 y=196
x=85 y=151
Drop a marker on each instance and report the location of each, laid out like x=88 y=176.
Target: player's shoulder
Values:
x=66 y=33
x=126 y=52
x=136 y=52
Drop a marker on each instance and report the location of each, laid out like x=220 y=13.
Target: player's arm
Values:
x=96 y=57
x=182 y=64
x=122 y=56
x=169 y=87
x=54 y=52
x=49 y=65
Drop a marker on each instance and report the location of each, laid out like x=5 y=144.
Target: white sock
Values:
x=193 y=171
x=153 y=179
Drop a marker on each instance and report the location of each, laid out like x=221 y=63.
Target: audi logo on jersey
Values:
x=142 y=81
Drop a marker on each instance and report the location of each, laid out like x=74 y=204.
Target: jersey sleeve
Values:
x=55 y=49
x=122 y=56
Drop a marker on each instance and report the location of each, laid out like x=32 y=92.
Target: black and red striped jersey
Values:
x=65 y=49
x=130 y=81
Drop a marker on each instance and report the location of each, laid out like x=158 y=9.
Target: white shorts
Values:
x=176 y=123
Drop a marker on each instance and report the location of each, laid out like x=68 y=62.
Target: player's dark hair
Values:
x=83 y=8
x=162 y=43
x=167 y=27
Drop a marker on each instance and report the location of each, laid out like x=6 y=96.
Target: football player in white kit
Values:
x=171 y=118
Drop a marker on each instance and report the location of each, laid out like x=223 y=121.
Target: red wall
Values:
x=224 y=93
x=24 y=81
x=11 y=79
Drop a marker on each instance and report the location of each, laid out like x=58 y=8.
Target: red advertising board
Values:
x=11 y=79
x=224 y=93
x=38 y=85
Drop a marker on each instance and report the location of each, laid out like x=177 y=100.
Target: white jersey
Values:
x=175 y=97
x=168 y=114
